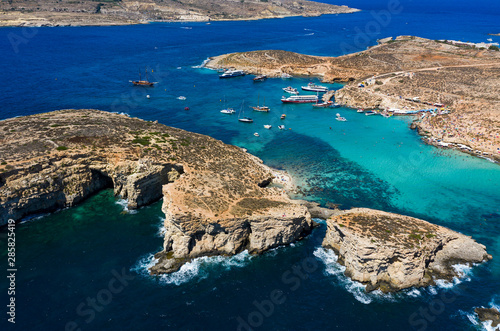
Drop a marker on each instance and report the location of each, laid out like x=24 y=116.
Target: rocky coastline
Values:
x=406 y=73
x=392 y=252
x=217 y=198
x=37 y=13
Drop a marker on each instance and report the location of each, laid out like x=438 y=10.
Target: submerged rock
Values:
x=392 y=252
x=489 y=314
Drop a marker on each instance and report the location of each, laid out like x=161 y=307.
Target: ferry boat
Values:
x=228 y=111
x=290 y=90
x=300 y=99
x=315 y=88
x=232 y=73
x=260 y=78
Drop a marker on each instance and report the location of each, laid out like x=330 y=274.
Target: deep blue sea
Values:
x=85 y=267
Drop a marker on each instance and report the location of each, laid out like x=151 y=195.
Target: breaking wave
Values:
x=195 y=270
x=202 y=65
x=124 y=204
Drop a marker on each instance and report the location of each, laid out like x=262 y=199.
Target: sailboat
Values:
x=262 y=108
x=142 y=82
x=244 y=119
x=227 y=110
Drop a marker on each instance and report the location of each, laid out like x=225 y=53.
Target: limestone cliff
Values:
x=392 y=252
x=218 y=199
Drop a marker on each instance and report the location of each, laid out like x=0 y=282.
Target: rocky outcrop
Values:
x=217 y=198
x=489 y=315
x=393 y=252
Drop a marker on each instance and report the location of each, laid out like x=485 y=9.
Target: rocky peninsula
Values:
x=217 y=198
x=392 y=252
x=121 y=12
x=491 y=315
x=407 y=73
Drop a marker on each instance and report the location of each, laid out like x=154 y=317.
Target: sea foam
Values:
x=195 y=270
x=124 y=204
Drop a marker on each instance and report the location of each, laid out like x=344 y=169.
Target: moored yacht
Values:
x=232 y=73
x=315 y=88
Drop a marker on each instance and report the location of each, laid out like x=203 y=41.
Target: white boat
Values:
x=267 y=126
x=285 y=75
x=290 y=90
x=300 y=99
x=181 y=98
x=228 y=111
x=281 y=127
x=370 y=112
x=256 y=134
x=260 y=78
x=324 y=104
x=360 y=110
x=315 y=88
x=245 y=120
x=340 y=118
x=232 y=73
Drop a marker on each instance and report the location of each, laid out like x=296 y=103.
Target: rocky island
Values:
x=217 y=198
x=392 y=252
x=121 y=12
x=407 y=73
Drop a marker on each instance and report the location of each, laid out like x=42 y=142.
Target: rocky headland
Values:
x=489 y=315
x=392 y=252
x=121 y=12
x=407 y=73
x=217 y=198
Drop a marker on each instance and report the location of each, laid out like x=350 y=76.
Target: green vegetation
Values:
x=145 y=141
x=494 y=48
x=62 y=148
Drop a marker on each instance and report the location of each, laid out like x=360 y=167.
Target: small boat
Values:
x=285 y=75
x=370 y=112
x=335 y=105
x=181 y=98
x=324 y=104
x=300 y=99
x=281 y=127
x=315 y=88
x=186 y=108
x=290 y=90
x=228 y=111
x=147 y=96
x=260 y=78
x=360 y=110
x=245 y=120
x=232 y=73
x=143 y=82
x=256 y=134
x=267 y=126
x=340 y=118
x=283 y=116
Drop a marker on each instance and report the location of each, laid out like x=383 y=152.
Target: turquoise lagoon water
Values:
x=69 y=257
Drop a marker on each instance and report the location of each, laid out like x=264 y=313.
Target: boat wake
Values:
x=195 y=270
